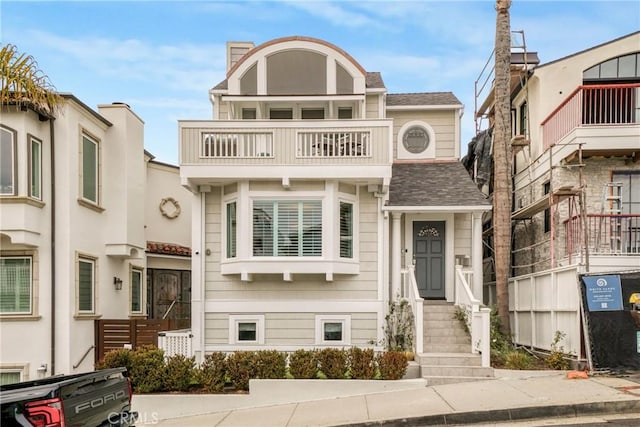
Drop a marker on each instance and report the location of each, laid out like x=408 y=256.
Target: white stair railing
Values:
x=477 y=316
x=409 y=291
x=176 y=342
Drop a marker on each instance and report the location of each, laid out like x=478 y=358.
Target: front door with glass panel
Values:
x=429 y=255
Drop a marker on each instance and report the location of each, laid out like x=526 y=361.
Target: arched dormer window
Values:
x=296 y=66
x=621 y=68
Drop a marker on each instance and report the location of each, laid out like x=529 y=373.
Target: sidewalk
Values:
x=512 y=395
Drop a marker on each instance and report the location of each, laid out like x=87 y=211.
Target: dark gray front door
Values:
x=428 y=252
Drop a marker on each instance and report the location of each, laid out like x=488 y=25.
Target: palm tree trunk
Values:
x=502 y=161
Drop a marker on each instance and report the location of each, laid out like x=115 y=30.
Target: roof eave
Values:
x=469 y=208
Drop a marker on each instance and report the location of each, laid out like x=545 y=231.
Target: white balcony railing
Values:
x=334 y=144
x=477 y=316
x=236 y=145
x=409 y=290
x=292 y=142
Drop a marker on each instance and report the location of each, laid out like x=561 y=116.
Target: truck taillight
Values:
x=45 y=413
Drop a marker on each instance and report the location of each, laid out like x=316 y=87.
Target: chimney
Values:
x=235 y=51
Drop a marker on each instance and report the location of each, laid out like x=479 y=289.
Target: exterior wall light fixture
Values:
x=117 y=283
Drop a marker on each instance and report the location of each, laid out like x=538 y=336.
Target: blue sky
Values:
x=161 y=57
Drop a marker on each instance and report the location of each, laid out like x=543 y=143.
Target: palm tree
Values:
x=502 y=161
x=24 y=84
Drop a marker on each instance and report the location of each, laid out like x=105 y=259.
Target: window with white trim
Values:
x=8 y=183
x=246 y=329
x=346 y=229
x=35 y=168
x=333 y=329
x=232 y=239
x=86 y=285
x=16 y=283
x=291 y=228
x=136 y=291
x=90 y=169
x=10 y=376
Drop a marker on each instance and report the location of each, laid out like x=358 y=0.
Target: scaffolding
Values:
x=526 y=200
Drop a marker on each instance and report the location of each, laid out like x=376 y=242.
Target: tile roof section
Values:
x=427 y=98
x=433 y=184
x=167 y=249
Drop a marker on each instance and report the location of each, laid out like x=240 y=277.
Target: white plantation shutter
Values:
x=263 y=228
x=287 y=228
x=15 y=285
x=312 y=228
x=346 y=230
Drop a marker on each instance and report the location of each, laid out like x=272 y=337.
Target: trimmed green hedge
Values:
x=151 y=372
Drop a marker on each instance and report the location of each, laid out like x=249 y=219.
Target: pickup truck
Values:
x=100 y=398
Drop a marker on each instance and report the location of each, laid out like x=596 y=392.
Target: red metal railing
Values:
x=590 y=105
x=608 y=234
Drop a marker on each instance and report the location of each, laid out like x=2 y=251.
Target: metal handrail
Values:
x=84 y=356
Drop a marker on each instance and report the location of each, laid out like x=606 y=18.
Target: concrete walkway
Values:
x=512 y=395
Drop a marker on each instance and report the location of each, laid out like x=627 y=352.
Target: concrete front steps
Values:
x=447 y=356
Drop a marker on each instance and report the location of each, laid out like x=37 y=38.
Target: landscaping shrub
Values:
x=303 y=364
x=392 y=365
x=271 y=364
x=241 y=367
x=180 y=373
x=333 y=362
x=148 y=369
x=557 y=359
x=121 y=357
x=213 y=371
x=516 y=359
x=361 y=363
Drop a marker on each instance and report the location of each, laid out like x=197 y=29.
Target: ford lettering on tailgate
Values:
x=95 y=403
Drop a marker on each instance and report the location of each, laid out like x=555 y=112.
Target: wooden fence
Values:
x=112 y=334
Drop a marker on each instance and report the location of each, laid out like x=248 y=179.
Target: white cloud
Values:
x=185 y=67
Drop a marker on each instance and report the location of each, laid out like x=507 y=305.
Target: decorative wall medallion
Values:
x=415 y=140
x=428 y=231
x=169 y=207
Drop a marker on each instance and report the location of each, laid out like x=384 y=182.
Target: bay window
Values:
x=346 y=230
x=287 y=228
x=7 y=161
x=231 y=230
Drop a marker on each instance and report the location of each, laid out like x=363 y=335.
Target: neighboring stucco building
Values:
x=576 y=133
x=74 y=204
x=314 y=193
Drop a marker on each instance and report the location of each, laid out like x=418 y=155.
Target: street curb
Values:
x=514 y=414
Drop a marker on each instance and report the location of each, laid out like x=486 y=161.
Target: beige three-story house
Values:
x=318 y=197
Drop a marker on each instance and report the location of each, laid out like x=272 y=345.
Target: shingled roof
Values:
x=433 y=184
x=373 y=80
x=427 y=98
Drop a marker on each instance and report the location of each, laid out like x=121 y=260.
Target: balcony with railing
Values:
x=291 y=143
x=608 y=234
x=592 y=113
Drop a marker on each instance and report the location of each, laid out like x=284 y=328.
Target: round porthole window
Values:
x=415 y=140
